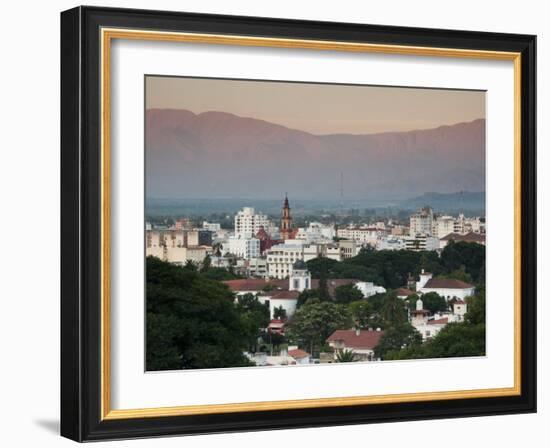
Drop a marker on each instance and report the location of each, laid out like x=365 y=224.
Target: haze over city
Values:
x=209 y=138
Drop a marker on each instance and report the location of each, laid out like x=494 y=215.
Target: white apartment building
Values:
x=444 y=225
x=257 y=267
x=335 y=251
x=421 y=222
x=369 y=288
x=421 y=242
x=248 y=222
x=243 y=247
x=363 y=235
x=391 y=243
x=179 y=255
x=212 y=226
x=316 y=231
x=281 y=258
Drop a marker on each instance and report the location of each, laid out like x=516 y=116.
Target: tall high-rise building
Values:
x=286 y=221
x=248 y=222
x=421 y=222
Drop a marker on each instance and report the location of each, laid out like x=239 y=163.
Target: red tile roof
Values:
x=404 y=292
x=258 y=284
x=468 y=238
x=364 y=340
x=284 y=294
x=443 y=320
x=298 y=354
x=447 y=283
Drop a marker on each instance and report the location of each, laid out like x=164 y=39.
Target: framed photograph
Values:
x=277 y=224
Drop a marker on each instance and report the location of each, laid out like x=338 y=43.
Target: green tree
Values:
x=469 y=257
x=314 y=322
x=190 y=266
x=454 y=340
x=206 y=264
x=320 y=265
x=361 y=312
x=345 y=356
x=432 y=302
x=220 y=274
x=476 y=308
x=306 y=295
x=255 y=316
x=397 y=338
x=346 y=294
x=458 y=339
x=192 y=321
x=459 y=274
x=279 y=313
x=393 y=310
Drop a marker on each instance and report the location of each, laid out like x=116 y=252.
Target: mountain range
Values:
x=221 y=155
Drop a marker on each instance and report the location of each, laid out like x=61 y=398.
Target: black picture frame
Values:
x=81 y=224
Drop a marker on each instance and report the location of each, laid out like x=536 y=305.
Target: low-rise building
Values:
x=391 y=243
x=180 y=255
x=257 y=267
x=362 y=235
x=369 y=289
x=470 y=237
x=421 y=242
x=361 y=342
x=301 y=356
x=449 y=288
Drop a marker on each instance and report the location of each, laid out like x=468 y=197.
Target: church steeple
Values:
x=286 y=220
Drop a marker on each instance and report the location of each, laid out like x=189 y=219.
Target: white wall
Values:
x=29 y=384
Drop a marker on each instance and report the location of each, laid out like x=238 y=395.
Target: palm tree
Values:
x=345 y=356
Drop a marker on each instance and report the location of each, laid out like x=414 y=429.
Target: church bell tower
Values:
x=286 y=221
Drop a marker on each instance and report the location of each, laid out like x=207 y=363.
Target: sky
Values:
x=319 y=108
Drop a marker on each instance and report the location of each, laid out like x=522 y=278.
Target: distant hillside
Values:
x=220 y=155
x=448 y=203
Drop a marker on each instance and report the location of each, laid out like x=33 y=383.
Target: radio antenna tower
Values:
x=342 y=193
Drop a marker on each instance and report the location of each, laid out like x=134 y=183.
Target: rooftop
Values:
x=441 y=321
x=404 y=292
x=446 y=283
x=284 y=294
x=468 y=238
x=298 y=353
x=364 y=340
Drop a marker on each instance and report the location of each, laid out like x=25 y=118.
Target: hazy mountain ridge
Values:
x=217 y=154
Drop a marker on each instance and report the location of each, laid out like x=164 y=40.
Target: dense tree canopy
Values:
x=192 y=321
x=454 y=340
x=391 y=268
x=315 y=321
x=346 y=294
x=398 y=337
x=469 y=257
